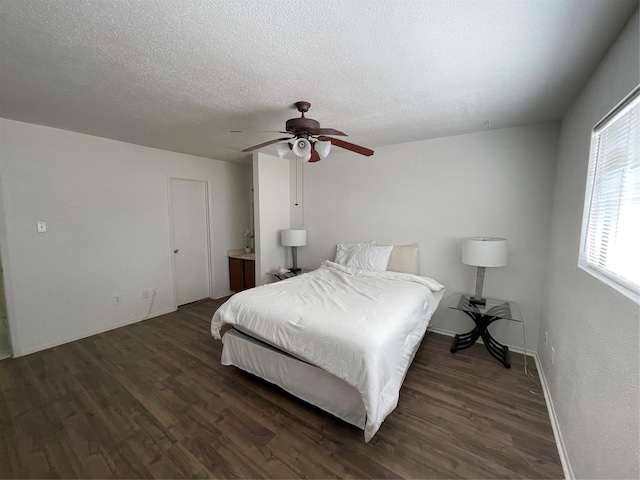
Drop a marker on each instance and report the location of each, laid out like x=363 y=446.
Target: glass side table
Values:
x=483 y=316
x=282 y=276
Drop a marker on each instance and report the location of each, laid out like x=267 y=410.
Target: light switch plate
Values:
x=42 y=227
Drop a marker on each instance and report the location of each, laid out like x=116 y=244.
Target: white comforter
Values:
x=358 y=325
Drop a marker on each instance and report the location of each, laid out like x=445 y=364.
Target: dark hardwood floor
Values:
x=151 y=400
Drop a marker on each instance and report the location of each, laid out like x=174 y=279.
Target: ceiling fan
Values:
x=309 y=141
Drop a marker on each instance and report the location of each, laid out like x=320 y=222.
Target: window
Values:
x=610 y=244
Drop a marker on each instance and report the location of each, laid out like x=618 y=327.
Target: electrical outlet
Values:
x=553 y=355
x=546 y=338
x=117 y=298
x=145 y=293
x=154 y=292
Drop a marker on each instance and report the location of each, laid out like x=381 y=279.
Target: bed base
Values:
x=303 y=380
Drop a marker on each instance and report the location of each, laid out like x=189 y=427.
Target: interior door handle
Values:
x=176 y=250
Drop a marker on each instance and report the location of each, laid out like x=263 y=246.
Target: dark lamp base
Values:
x=295 y=270
x=477 y=301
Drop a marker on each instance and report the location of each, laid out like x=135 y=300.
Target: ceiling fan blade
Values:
x=256 y=131
x=348 y=146
x=270 y=142
x=314 y=156
x=326 y=131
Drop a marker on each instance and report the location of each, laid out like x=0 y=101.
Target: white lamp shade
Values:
x=294 y=238
x=302 y=148
x=283 y=148
x=484 y=251
x=322 y=148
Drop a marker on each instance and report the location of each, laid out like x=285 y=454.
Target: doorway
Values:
x=189 y=217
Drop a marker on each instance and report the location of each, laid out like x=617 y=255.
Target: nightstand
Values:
x=483 y=316
x=287 y=275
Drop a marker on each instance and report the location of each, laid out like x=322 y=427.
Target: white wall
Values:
x=435 y=193
x=594 y=329
x=271 y=198
x=105 y=204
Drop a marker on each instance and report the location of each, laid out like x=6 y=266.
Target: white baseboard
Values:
x=562 y=450
x=557 y=434
x=222 y=296
x=26 y=351
x=442 y=331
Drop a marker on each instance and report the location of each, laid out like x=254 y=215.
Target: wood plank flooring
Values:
x=151 y=400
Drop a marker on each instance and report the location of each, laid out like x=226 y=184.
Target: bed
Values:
x=341 y=337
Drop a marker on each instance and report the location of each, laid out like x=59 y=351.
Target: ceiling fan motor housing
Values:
x=301 y=125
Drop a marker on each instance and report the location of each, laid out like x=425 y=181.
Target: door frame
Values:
x=207 y=226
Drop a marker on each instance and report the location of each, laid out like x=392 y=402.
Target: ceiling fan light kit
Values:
x=302 y=148
x=283 y=148
x=309 y=141
x=322 y=148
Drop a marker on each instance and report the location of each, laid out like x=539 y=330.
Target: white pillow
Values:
x=367 y=257
x=343 y=249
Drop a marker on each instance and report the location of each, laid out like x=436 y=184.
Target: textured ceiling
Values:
x=179 y=74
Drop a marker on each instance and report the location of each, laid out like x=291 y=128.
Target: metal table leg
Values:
x=496 y=349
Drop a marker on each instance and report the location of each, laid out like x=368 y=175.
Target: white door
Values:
x=190 y=242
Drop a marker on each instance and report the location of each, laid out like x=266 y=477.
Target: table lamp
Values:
x=483 y=252
x=294 y=239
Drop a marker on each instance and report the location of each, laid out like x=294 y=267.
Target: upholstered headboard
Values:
x=404 y=259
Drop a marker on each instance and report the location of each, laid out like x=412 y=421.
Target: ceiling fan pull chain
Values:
x=297 y=163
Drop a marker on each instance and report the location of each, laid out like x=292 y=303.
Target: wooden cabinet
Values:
x=242 y=274
x=249 y=273
x=236 y=274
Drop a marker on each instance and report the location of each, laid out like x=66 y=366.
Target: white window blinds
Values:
x=611 y=225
